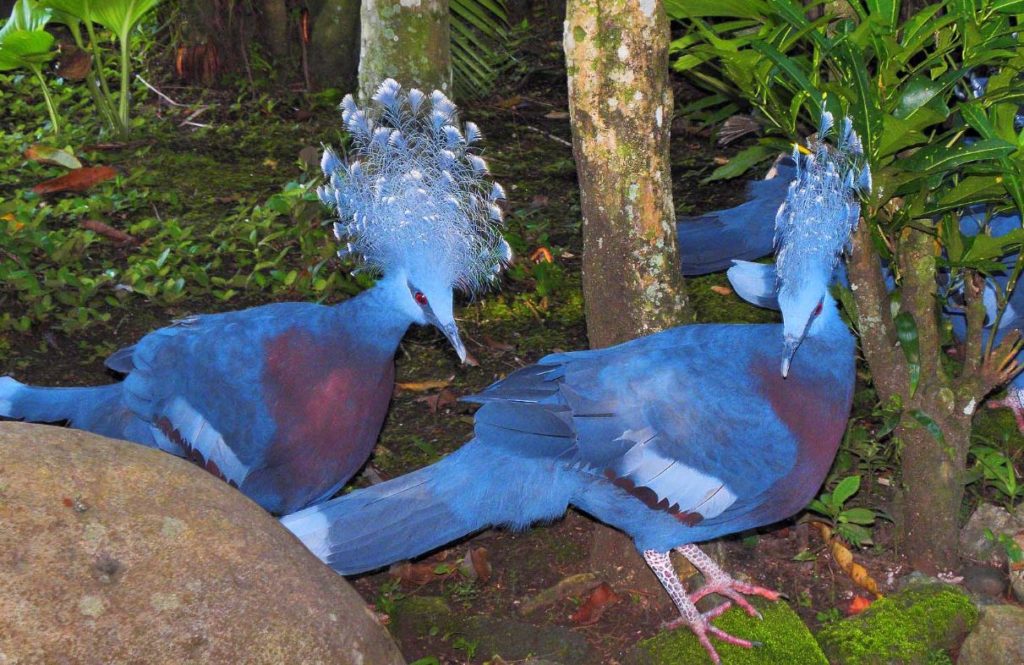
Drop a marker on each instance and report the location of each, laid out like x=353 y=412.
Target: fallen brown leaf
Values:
x=492 y=343
x=557 y=115
x=438 y=400
x=721 y=290
x=542 y=254
x=844 y=557
x=858 y=605
x=78 y=180
x=420 y=573
x=422 y=386
x=44 y=154
x=108 y=231
x=476 y=564
x=595 y=605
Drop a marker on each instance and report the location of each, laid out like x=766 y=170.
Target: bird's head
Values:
x=415 y=203
x=428 y=300
x=813 y=227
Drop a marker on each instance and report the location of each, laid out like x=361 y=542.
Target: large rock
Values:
x=915 y=626
x=997 y=640
x=115 y=553
x=976 y=545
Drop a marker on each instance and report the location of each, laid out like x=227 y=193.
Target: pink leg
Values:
x=1014 y=401
x=699 y=623
x=718 y=581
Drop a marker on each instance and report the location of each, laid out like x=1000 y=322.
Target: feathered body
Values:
x=675 y=438
x=286 y=401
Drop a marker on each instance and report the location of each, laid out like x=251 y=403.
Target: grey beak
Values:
x=451 y=331
x=791 y=344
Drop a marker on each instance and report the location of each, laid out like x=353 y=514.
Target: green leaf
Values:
x=906 y=331
x=27 y=16
x=929 y=424
x=22 y=48
x=680 y=9
x=742 y=162
x=859 y=515
x=887 y=12
x=846 y=488
x=940 y=157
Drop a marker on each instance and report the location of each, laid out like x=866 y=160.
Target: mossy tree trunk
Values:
x=935 y=424
x=274 y=27
x=620 y=103
x=407 y=40
x=334 y=46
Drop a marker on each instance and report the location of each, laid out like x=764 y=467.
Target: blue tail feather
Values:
x=710 y=242
x=94 y=408
x=424 y=510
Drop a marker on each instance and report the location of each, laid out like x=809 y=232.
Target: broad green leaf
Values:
x=742 y=162
x=27 y=16
x=906 y=331
x=940 y=157
x=986 y=247
x=859 y=515
x=23 y=48
x=846 y=488
x=791 y=68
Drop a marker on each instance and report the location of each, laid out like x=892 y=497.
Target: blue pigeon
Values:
x=678 y=437
x=285 y=401
x=733 y=237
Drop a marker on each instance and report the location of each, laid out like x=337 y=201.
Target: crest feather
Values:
x=822 y=206
x=413 y=193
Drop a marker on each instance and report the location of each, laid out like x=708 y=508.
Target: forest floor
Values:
x=251 y=150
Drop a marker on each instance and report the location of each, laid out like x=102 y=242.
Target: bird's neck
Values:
x=374 y=317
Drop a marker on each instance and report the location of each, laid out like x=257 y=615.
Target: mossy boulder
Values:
x=111 y=552
x=784 y=638
x=916 y=626
x=508 y=638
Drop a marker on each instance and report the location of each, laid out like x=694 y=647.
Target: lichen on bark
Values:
x=621 y=107
x=407 y=40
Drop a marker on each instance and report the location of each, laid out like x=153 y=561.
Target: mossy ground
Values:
x=783 y=636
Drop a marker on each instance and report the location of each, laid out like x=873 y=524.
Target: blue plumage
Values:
x=286 y=401
x=674 y=438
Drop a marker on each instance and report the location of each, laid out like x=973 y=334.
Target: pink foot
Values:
x=734 y=590
x=699 y=623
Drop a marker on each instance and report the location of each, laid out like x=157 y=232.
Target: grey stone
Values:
x=975 y=545
x=997 y=640
x=984 y=581
x=116 y=553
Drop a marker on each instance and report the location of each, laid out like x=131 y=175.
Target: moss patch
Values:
x=917 y=626
x=784 y=638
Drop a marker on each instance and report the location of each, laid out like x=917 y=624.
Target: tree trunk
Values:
x=406 y=40
x=620 y=103
x=933 y=491
x=933 y=462
x=274 y=26
x=334 y=49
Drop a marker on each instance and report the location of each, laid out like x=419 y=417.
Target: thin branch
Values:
x=556 y=139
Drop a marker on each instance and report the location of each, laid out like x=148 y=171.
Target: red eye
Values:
x=817 y=310
x=420 y=298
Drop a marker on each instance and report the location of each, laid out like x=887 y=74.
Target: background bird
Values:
x=286 y=401
x=675 y=438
